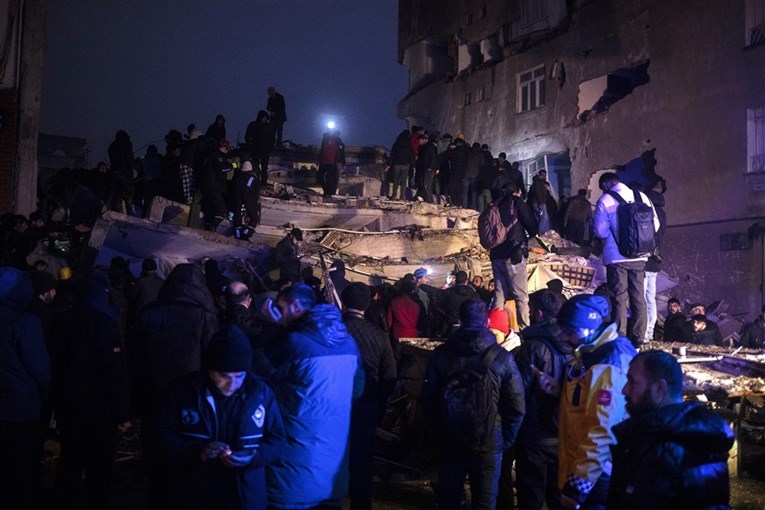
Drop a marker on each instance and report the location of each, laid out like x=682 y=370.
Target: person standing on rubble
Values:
x=669 y=453
x=277 y=108
x=260 y=140
x=508 y=260
x=625 y=276
x=331 y=160
x=401 y=159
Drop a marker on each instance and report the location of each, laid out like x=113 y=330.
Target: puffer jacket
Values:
x=467 y=346
x=673 y=457
x=25 y=374
x=318 y=372
x=591 y=403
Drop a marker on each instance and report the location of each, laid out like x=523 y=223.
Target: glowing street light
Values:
x=331 y=124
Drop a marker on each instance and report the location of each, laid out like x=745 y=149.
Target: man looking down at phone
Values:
x=219 y=429
x=591 y=401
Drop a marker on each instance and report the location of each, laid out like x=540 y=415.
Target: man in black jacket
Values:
x=536 y=453
x=508 y=260
x=676 y=326
x=277 y=108
x=669 y=453
x=469 y=347
x=380 y=370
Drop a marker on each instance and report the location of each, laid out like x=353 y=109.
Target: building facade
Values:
x=651 y=87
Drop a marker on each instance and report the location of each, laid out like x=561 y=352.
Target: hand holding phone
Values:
x=546 y=382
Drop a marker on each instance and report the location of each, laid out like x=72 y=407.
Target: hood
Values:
x=186 y=282
x=261 y=115
x=324 y=323
x=15 y=288
x=471 y=341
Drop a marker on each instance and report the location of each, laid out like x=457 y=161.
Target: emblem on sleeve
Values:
x=259 y=415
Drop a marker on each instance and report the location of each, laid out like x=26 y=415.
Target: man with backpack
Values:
x=625 y=228
x=473 y=400
x=508 y=259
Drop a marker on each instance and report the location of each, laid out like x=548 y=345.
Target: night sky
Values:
x=147 y=66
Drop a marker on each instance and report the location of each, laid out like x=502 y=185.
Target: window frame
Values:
x=532 y=93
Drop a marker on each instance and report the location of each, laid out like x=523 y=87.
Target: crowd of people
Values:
x=253 y=397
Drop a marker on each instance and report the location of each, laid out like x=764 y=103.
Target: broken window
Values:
x=755 y=23
x=598 y=95
x=755 y=140
x=533 y=11
x=531 y=89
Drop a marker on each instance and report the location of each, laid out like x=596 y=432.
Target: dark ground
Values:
x=399 y=488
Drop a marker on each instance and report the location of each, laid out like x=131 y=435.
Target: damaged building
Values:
x=653 y=88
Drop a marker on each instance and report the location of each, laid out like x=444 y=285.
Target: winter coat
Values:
x=467 y=346
x=318 y=373
x=591 y=403
x=377 y=355
x=260 y=135
x=173 y=332
x=188 y=422
x=25 y=375
x=525 y=227
x=753 y=334
x=671 y=458
x=677 y=329
x=542 y=348
x=121 y=156
x=453 y=297
x=606 y=226
x=401 y=153
x=406 y=317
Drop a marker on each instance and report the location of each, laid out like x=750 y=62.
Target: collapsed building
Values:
x=580 y=87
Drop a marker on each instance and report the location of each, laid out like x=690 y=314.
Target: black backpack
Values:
x=468 y=405
x=636 y=236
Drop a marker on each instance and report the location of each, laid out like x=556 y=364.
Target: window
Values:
x=531 y=89
x=755 y=140
x=533 y=11
x=469 y=18
x=467 y=99
x=482 y=12
x=755 y=23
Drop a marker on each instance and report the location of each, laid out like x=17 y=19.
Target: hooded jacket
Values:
x=673 y=457
x=317 y=374
x=467 y=346
x=173 y=331
x=542 y=348
x=25 y=377
x=591 y=402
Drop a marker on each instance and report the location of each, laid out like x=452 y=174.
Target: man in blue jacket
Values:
x=24 y=389
x=316 y=372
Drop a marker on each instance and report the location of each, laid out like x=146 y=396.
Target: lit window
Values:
x=755 y=139
x=531 y=89
x=533 y=11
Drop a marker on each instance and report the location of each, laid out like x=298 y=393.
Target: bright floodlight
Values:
x=331 y=124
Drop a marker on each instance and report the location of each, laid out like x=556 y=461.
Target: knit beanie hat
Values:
x=585 y=311
x=499 y=320
x=356 y=295
x=247 y=166
x=229 y=351
x=420 y=273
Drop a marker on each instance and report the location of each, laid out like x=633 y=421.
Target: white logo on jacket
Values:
x=259 y=415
